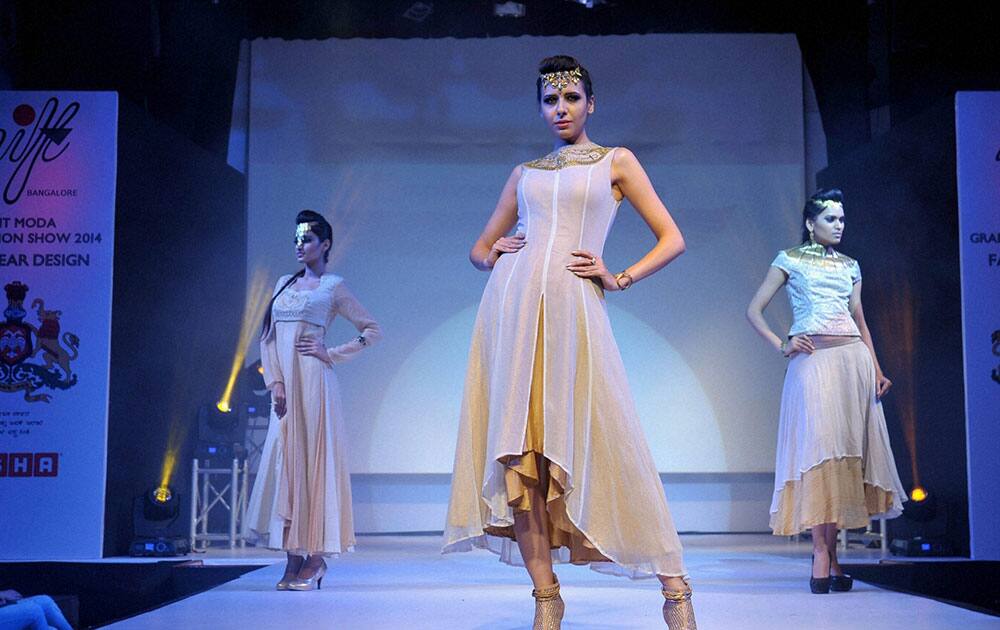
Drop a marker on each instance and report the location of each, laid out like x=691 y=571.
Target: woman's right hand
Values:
x=797 y=344
x=278 y=398
x=505 y=245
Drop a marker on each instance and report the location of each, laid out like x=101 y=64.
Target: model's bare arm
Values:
x=858 y=313
x=629 y=180
x=494 y=240
x=773 y=281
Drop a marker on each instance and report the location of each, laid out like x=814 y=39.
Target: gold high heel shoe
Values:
x=549 y=607
x=678 y=611
x=287 y=578
x=309 y=584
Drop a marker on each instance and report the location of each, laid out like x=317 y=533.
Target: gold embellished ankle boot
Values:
x=549 y=607
x=678 y=611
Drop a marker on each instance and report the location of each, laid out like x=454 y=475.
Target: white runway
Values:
x=746 y=582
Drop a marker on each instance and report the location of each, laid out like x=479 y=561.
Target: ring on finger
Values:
x=593 y=260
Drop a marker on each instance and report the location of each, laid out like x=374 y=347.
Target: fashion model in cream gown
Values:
x=301 y=499
x=551 y=462
x=834 y=467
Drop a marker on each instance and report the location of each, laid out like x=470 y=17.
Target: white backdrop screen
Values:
x=405 y=144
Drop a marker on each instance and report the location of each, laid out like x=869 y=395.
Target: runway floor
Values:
x=746 y=582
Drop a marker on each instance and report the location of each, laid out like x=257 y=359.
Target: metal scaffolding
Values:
x=223 y=489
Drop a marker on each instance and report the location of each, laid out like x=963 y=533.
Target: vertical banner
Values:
x=977 y=127
x=57 y=172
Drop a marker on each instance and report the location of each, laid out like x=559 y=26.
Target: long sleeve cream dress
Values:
x=301 y=499
x=546 y=394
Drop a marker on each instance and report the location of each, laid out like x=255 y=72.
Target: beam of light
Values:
x=257 y=298
x=346 y=212
x=178 y=430
x=901 y=311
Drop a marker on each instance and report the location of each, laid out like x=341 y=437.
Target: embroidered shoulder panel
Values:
x=570 y=156
x=817 y=255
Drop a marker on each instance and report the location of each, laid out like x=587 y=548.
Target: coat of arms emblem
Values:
x=20 y=342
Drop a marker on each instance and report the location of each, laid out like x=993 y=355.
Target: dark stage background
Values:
x=884 y=72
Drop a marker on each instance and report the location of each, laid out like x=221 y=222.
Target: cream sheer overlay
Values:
x=833 y=461
x=605 y=494
x=301 y=499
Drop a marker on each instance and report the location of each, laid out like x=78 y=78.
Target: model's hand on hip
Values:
x=312 y=347
x=505 y=245
x=587 y=265
x=278 y=398
x=797 y=344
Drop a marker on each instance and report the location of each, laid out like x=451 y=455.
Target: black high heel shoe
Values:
x=819 y=586
x=841 y=583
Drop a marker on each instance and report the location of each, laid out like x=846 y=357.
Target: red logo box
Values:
x=20 y=464
x=46 y=464
x=29 y=464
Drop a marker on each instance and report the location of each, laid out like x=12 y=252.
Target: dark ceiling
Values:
x=178 y=58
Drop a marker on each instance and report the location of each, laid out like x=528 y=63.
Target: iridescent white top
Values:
x=819 y=289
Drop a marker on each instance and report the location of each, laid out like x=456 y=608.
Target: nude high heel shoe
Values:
x=309 y=584
x=549 y=607
x=678 y=611
x=288 y=577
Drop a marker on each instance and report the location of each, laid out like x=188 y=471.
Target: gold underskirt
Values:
x=831 y=492
x=531 y=469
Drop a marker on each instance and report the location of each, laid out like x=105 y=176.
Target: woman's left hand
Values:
x=312 y=347
x=882 y=385
x=590 y=266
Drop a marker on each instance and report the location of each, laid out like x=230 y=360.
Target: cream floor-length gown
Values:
x=545 y=378
x=301 y=499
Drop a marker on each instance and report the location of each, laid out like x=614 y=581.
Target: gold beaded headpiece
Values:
x=301 y=231
x=830 y=204
x=559 y=80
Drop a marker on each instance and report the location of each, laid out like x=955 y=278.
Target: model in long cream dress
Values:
x=551 y=462
x=834 y=468
x=301 y=499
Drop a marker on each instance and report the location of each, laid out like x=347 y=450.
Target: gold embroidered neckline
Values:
x=572 y=155
x=817 y=254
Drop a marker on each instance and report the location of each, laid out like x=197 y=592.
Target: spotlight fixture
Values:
x=419 y=11
x=923 y=527
x=590 y=4
x=162 y=495
x=221 y=431
x=154 y=514
x=508 y=9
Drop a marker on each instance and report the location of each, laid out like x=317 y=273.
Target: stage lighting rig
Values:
x=221 y=432
x=508 y=9
x=419 y=11
x=154 y=514
x=923 y=527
